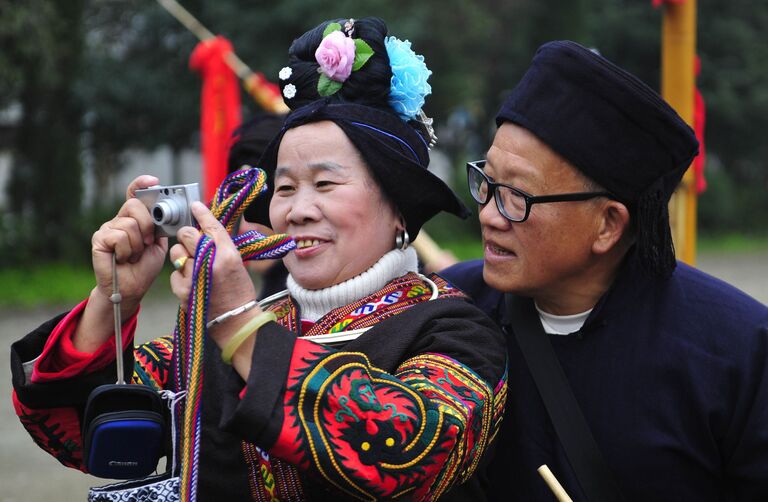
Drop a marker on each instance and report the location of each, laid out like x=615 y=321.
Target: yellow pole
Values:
x=678 y=50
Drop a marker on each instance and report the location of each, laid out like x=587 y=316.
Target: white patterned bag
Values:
x=159 y=488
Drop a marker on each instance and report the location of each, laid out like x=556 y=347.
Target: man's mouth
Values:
x=491 y=248
x=499 y=251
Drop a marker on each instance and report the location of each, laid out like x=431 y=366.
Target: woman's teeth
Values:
x=306 y=243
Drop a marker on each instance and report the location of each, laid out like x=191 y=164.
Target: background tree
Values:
x=45 y=186
x=106 y=76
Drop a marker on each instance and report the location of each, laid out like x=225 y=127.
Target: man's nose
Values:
x=489 y=215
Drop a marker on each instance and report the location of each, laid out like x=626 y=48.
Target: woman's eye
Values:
x=283 y=188
x=324 y=183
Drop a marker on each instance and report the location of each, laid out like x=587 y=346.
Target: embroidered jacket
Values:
x=405 y=410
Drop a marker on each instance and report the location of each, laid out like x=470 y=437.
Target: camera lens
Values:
x=166 y=212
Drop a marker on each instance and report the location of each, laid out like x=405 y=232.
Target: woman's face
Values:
x=326 y=199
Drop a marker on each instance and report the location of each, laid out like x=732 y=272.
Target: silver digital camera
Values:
x=169 y=206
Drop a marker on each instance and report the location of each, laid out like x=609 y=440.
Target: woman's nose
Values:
x=305 y=208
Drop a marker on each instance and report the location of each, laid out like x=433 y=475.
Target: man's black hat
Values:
x=615 y=129
x=393 y=150
x=249 y=141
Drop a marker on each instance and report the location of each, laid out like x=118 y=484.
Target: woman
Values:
x=410 y=399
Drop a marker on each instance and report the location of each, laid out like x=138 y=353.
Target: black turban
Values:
x=615 y=129
x=395 y=152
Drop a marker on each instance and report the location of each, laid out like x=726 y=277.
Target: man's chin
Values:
x=502 y=279
x=495 y=276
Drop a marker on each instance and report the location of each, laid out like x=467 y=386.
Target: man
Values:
x=667 y=364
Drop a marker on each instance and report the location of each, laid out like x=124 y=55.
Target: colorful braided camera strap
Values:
x=232 y=197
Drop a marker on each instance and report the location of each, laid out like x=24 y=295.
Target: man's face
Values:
x=549 y=254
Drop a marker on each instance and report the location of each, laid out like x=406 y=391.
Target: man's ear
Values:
x=613 y=226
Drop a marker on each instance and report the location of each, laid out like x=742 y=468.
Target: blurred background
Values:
x=93 y=93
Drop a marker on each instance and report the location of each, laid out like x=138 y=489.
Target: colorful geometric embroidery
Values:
x=398 y=295
x=271 y=480
x=461 y=393
x=366 y=440
x=500 y=399
x=374 y=435
x=152 y=364
x=56 y=430
x=371 y=434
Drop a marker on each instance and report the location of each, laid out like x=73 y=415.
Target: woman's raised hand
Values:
x=131 y=237
x=231 y=285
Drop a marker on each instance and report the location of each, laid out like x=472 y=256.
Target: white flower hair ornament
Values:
x=409 y=86
x=285 y=73
x=289 y=91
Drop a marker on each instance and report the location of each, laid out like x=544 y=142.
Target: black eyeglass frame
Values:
x=530 y=200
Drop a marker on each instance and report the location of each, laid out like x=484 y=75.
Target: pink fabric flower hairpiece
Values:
x=336 y=55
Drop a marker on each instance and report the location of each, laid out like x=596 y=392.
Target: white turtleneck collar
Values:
x=315 y=303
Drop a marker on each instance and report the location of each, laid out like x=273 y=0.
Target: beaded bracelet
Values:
x=232 y=313
x=249 y=329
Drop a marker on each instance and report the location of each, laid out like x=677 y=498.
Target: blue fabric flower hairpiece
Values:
x=409 y=84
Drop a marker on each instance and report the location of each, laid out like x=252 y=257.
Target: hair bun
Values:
x=369 y=85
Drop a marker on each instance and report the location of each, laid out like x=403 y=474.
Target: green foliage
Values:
x=113 y=74
x=733 y=244
x=44 y=190
x=727 y=205
x=51 y=284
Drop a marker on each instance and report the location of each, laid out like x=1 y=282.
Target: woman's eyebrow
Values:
x=317 y=166
x=326 y=166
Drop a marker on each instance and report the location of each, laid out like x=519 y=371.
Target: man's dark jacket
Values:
x=671 y=376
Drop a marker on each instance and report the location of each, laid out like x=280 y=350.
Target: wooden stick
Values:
x=242 y=70
x=432 y=255
x=190 y=22
x=553 y=484
x=183 y=16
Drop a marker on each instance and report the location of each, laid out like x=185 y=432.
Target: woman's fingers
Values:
x=183 y=263
x=143 y=181
x=231 y=285
x=226 y=252
x=128 y=234
x=135 y=209
x=180 y=258
x=181 y=285
x=113 y=239
x=210 y=225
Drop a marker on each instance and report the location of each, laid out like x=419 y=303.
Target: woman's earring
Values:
x=402 y=240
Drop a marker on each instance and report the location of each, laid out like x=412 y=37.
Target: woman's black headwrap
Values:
x=615 y=130
x=395 y=152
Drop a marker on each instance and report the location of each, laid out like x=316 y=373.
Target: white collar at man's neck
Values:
x=562 y=324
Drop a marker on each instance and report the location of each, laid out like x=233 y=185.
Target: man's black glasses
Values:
x=513 y=203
